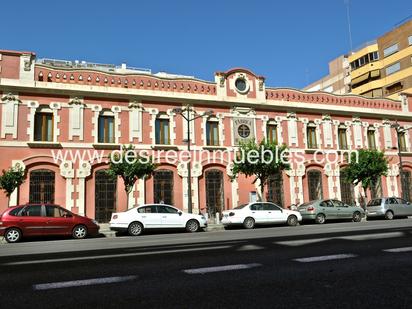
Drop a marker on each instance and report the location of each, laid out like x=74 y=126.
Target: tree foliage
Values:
x=366 y=167
x=129 y=170
x=267 y=159
x=11 y=179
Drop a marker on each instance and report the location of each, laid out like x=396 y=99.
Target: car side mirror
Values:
x=180 y=213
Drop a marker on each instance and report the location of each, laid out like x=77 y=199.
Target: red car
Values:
x=38 y=219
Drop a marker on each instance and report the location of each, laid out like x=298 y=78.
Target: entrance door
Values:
x=214 y=192
x=105 y=196
x=41 y=187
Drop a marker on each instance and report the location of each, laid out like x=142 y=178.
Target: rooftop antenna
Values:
x=347 y=3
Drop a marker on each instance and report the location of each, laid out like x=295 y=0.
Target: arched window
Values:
x=311 y=136
x=43 y=124
x=275 y=186
x=163 y=186
x=106 y=127
x=315 y=185
x=42 y=186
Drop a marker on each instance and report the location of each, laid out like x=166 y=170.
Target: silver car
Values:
x=322 y=210
x=388 y=207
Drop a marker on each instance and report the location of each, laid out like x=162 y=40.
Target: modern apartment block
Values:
x=338 y=79
x=382 y=68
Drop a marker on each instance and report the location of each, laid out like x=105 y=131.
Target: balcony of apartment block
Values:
x=367 y=82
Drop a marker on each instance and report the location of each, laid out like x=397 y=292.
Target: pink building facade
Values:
x=59 y=120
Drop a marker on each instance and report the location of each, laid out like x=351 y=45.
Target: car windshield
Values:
x=241 y=206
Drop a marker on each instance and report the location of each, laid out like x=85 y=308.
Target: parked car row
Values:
x=37 y=220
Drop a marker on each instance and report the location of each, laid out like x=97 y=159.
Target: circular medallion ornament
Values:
x=243 y=131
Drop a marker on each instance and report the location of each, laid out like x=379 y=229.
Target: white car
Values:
x=155 y=216
x=260 y=213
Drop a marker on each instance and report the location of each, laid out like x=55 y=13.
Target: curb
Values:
x=110 y=234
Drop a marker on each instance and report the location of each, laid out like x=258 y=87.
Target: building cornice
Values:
x=287 y=99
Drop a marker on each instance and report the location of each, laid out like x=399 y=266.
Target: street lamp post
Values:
x=399 y=130
x=188 y=109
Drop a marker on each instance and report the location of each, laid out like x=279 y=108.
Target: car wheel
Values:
x=292 y=220
x=320 y=219
x=192 y=226
x=249 y=223
x=79 y=232
x=135 y=229
x=12 y=235
x=389 y=215
x=357 y=217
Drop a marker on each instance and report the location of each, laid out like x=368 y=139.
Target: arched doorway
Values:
x=275 y=189
x=315 y=185
x=42 y=186
x=163 y=187
x=214 y=192
x=105 y=196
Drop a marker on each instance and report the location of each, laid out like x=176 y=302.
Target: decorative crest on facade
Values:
x=10 y=98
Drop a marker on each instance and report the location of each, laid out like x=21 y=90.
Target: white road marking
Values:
x=301 y=242
x=204 y=270
x=325 y=258
x=372 y=236
x=250 y=248
x=77 y=283
x=109 y=256
x=397 y=250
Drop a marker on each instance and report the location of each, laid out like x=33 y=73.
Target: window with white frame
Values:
x=106 y=127
x=342 y=138
x=43 y=125
x=390 y=50
x=162 y=130
x=371 y=138
x=212 y=132
x=402 y=141
x=311 y=136
x=272 y=132
x=393 y=68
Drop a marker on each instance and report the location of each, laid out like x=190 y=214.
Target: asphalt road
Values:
x=339 y=265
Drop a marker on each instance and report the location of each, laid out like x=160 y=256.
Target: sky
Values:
x=289 y=42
